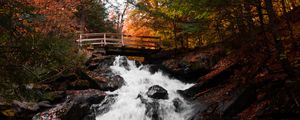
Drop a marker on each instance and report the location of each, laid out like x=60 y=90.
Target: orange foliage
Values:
x=137 y=27
x=58 y=15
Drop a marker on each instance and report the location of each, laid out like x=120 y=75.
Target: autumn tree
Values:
x=117 y=11
x=28 y=52
x=93 y=17
x=277 y=38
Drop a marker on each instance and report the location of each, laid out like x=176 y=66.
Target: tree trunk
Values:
x=218 y=30
x=249 y=16
x=187 y=40
x=261 y=17
x=181 y=39
x=175 y=34
x=293 y=3
x=278 y=41
x=82 y=19
x=287 y=19
x=121 y=20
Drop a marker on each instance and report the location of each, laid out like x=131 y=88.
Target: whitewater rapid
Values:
x=127 y=106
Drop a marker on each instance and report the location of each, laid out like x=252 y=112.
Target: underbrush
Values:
x=34 y=58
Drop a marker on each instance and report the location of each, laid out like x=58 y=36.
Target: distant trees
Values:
x=93 y=17
x=53 y=16
x=189 y=23
x=118 y=10
x=192 y=23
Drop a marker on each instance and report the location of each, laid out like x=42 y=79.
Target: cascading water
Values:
x=127 y=105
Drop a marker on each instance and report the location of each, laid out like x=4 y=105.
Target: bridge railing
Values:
x=118 y=40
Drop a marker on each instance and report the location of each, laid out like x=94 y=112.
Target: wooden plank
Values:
x=91 y=39
x=99 y=34
x=113 y=39
x=101 y=43
x=139 y=46
x=122 y=39
x=154 y=37
x=113 y=43
x=154 y=41
x=118 y=40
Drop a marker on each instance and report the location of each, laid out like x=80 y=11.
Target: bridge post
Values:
x=104 y=38
x=122 y=38
x=80 y=38
x=142 y=42
x=160 y=43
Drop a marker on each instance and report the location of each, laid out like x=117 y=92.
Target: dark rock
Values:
x=104 y=106
x=79 y=85
x=114 y=83
x=177 y=104
x=184 y=68
x=76 y=106
x=152 y=108
x=137 y=63
x=190 y=67
x=143 y=100
x=285 y=101
x=201 y=110
x=26 y=110
x=38 y=86
x=241 y=100
x=153 y=68
x=123 y=61
x=204 y=85
x=106 y=62
x=92 y=66
x=63 y=82
x=157 y=92
x=31 y=106
x=95 y=77
x=54 y=96
x=103 y=61
x=90 y=96
x=104 y=82
x=68 y=77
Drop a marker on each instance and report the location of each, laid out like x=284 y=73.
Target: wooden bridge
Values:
x=119 y=44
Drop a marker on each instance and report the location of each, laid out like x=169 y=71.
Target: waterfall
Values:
x=138 y=79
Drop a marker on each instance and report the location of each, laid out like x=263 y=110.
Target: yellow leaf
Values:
x=9 y=112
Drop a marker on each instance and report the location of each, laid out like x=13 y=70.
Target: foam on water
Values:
x=137 y=81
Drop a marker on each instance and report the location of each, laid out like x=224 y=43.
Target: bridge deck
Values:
x=114 y=43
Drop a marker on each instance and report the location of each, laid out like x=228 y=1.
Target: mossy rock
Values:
x=53 y=96
x=79 y=84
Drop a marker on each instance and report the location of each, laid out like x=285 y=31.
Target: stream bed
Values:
x=133 y=102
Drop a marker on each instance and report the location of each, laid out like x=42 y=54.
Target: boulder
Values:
x=152 y=108
x=92 y=66
x=241 y=100
x=103 y=107
x=177 y=104
x=106 y=81
x=95 y=77
x=137 y=63
x=76 y=107
x=114 y=83
x=103 y=61
x=31 y=106
x=25 y=110
x=157 y=92
x=153 y=69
